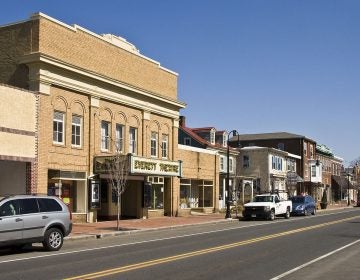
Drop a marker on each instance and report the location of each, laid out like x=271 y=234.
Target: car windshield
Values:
x=298 y=199
x=268 y=198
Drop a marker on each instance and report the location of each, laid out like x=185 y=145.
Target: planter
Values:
x=323 y=205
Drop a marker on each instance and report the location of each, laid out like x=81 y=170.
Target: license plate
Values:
x=253 y=215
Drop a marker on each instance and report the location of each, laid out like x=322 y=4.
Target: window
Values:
x=305 y=148
x=276 y=163
x=224 y=139
x=105 y=135
x=153 y=144
x=222 y=167
x=164 y=146
x=76 y=131
x=187 y=141
x=49 y=205
x=119 y=137
x=281 y=146
x=246 y=161
x=231 y=165
x=212 y=136
x=311 y=151
x=58 y=127
x=132 y=138
x=313 y=170
x=29 y=206
x=10 y=208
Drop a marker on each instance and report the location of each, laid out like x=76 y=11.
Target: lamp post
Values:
x=228 y=214
x=348 y=187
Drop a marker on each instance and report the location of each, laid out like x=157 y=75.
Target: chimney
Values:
x=182 y=121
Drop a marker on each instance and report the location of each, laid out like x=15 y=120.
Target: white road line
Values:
x=313 y=261
x=156 y=240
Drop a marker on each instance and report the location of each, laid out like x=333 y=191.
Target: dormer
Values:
x=225 y=139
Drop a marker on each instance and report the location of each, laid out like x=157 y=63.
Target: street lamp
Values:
x=228 y=214
x=348 y=187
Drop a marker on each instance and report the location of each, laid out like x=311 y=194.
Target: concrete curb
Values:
x=135 y=231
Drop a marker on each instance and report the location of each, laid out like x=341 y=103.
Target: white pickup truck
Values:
x=267 y=206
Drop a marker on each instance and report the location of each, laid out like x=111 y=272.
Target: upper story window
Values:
x=281 y=146
x=311 y=151
x=291 y=165
x=225 y=139
x=231 y=164
x=212 y=136
x=154 y=143
x=305 y=148
x=105 y=136
x=132 y=140
x=187 y=141
x=246 y=161
x=119 y=137
x=58 y=127
x=76 y=131
x=276 y=163
x=164 y=146
x=222 y=165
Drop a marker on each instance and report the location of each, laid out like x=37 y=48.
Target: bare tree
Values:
x=355 y=162
x=118 y=170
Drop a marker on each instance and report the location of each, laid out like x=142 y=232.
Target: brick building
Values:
x=97 y=93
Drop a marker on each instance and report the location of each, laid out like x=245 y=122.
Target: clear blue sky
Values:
x=254 y=66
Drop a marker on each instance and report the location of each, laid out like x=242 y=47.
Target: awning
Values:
x=292 y=178
x=342 y=182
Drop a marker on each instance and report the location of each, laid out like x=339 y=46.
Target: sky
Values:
x=256 y=66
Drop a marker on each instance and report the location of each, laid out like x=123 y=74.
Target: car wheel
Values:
x=306 y=212
x=53 y=239
x=287 y=214
x=272 y=215
x=314 y=211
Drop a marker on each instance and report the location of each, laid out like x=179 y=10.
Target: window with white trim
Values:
x=76 y=131
x=187 y=141
x=212 y=136
x=222 y=165
x=119 y=137
x=105 y=136
x=58 y=127
x=231 y=164
x=132 y=140
x=246 y=161
x=225 y=138
x=164 y=146
x=154 y=143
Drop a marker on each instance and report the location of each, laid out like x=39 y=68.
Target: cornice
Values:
x=40 y=73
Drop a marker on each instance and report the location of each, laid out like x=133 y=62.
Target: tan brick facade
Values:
x=95 y=78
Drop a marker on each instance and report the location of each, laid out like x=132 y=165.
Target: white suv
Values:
x=26 y=219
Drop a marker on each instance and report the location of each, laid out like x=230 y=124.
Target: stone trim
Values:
x=16 y=158
x=17 y=131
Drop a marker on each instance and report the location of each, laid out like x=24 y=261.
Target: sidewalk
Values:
x=108 y=228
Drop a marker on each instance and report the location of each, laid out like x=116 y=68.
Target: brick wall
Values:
x=86 y=51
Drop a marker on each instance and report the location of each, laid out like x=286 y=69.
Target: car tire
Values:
x=314 y=211
x=306 y=212
x=287 y=213
x=272 y=215
x=53 y=239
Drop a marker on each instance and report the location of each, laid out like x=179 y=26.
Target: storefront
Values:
x=70 y=186
x=148 y=188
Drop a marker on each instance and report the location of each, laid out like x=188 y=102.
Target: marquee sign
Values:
x=140 y=165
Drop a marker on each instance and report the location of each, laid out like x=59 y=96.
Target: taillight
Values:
x=70 y=213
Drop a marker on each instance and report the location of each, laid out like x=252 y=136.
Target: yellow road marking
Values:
x=200 y=252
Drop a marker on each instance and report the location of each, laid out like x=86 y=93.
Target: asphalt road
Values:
x=298 y=248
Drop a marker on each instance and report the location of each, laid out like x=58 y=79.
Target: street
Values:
x=283 y=249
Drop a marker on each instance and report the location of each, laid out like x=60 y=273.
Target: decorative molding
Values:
x=15 y=158
x=17 y=131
